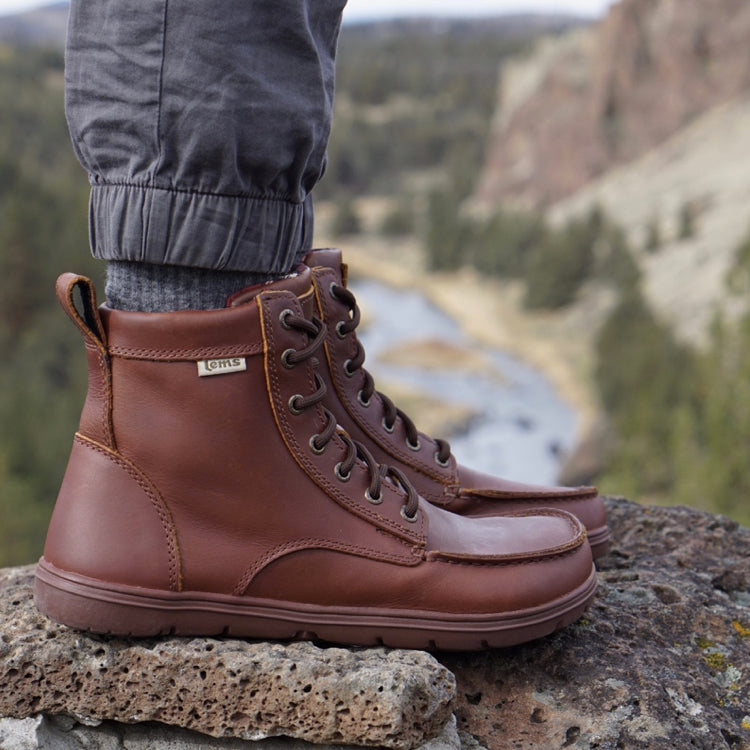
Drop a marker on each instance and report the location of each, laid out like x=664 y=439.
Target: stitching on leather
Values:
x=79 y=320
x=105 y=416
x=162 y=510
x=530 y=496
x=562 y=551
x=104 y=364
x=559 y=551
x=438 y=557
x=127 y=352
x=299 y=545
x=293 y=446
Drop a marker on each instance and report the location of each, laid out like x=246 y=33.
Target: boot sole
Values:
x=115 y=609
x=599 y=541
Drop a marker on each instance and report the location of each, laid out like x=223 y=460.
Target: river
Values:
x=522 y=426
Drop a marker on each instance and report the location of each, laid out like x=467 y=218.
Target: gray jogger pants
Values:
x=203 y=126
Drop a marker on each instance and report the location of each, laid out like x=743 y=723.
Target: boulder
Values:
x=660 y=660
x=220 y=687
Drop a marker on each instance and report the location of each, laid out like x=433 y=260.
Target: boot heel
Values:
x=82 y=606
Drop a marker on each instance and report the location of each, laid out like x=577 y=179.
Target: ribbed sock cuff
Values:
x=146 y=287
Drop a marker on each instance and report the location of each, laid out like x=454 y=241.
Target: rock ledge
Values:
x=221 y=687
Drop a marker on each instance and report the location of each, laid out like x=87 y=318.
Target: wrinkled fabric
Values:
x=203 y=126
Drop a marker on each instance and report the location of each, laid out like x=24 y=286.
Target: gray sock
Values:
x=147 y=287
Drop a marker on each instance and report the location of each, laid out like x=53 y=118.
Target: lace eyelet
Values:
x=341 y=334
x=340 y=475
x=347 y=371
x=443 y=464
x=388 y=428
x=374 y=500
x=361 y=399
x=413 y=446
x=332 y=290
x=292 y=404
x=285 y=358
x=283 y=317
x=314 y=447
x=410 y=519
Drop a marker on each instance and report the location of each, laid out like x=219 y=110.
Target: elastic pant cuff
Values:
x=201 y=230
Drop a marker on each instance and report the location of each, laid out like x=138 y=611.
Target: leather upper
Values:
x=215 y=484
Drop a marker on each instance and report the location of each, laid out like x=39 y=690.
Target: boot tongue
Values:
x=329 y=257
x=300 y=285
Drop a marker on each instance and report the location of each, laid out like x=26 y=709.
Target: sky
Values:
x=360 y=10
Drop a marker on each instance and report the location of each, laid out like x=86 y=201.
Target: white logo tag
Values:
x=221 y=366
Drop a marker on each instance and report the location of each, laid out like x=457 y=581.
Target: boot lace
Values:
x=392 y=412
x=355 y=451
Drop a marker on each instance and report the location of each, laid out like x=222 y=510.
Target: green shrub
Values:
x=446 y=234
x=560 y=263
x=399 y=221
x=645 y=378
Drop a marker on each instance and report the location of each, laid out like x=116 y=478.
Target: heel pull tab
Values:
x=96 y=417
x=88 y=322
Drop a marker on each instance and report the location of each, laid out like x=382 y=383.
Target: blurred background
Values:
x=547 y=219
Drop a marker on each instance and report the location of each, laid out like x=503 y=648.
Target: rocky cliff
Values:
x=604 y=96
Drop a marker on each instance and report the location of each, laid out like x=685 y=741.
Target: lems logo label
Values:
x=221 y=366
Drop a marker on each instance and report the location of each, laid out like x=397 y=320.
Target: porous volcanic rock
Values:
x=660 y=660
x=64 y=733
x=221 y=687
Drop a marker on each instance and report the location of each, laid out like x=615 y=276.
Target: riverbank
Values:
x=559 y=345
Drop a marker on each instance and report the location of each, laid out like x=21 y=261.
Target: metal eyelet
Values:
x=374 y=500
x=285 y=358
x=410 y=519
x=361 y=399
x=341 y=334
x=283 y=317
x=347 y=371
x=388 y=428
x=444 y=464
x=340 y=475
x=413 y=446
x=331 y=290
x=292 y=404
x=313 y=446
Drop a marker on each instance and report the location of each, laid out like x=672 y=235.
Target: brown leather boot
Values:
x=209 y=491
x=372 y=418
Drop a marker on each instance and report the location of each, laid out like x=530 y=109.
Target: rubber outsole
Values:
x=599 y=541
x=100 y=607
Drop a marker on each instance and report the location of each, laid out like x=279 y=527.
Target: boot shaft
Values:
x=191 y=417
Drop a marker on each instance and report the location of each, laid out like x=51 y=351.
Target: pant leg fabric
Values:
x=203 y=126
